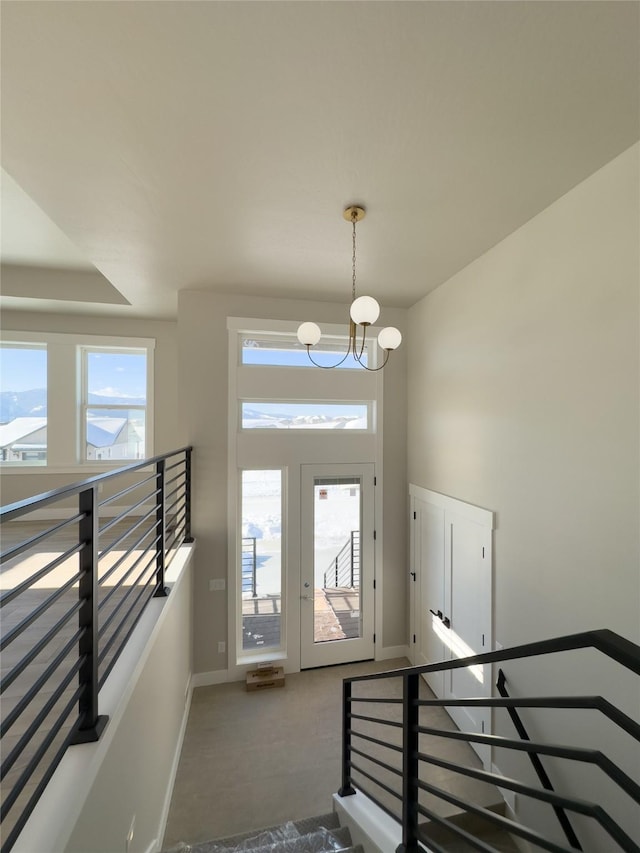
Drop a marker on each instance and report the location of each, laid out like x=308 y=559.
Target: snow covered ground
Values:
x=336 y=515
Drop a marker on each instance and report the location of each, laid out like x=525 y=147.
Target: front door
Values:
x=337 y=564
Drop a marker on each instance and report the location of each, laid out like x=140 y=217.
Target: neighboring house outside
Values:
x=24 y=440
x=114 y=438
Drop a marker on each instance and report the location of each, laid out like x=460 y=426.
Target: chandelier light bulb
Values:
x=309 y=334
x=389 y=338
x=364 y=310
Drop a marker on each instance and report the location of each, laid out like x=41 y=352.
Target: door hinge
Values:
x=375 y=481
x=374 y=638
x=482 y=724
x=374 y=584
x=483 y=552
x=374 y=534
x=415 y=515
x=414 y=638
x=483 y=639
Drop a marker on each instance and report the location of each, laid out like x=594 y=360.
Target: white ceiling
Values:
x=213 y=145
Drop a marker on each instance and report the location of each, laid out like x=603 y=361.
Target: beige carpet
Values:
x=251 y=760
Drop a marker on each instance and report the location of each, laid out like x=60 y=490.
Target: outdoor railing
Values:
x=344 y=569
x=249 y=561
x=71 y=593
x=386 y=754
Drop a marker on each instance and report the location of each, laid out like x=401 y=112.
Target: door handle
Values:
x=444 y=619
x=306 y=597
x=413 y=575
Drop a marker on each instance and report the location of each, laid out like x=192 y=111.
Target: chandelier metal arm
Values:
x=329 y=366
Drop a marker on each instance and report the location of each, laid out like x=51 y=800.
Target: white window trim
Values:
x=65 y=454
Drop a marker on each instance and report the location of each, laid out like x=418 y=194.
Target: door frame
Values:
x=452 y=509
x=329 y=653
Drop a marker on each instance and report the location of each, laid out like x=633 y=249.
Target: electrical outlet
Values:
x=217 y=584
x=222 y=647
x=129 y=839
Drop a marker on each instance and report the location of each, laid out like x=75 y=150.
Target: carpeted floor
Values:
x=251 y=760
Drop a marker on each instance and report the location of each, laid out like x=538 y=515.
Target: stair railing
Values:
x=538 y=766
x=396 y=783
x=344 y=569
x=90 y=596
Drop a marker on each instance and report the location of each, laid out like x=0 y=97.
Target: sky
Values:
x=111 y=374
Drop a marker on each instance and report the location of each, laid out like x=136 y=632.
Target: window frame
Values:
x=285 y=336
x=316 y=401
x=27 y=345
x=65 y=453
x=84 y=351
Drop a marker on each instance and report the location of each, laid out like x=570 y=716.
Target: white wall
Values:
x=524 y=396
x=203 y=394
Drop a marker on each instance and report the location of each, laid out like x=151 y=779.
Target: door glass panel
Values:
x=261 y=555
x=337 y=515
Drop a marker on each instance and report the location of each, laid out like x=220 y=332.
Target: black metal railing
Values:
x=249 y=565
x=71 y=593
x=344 y=569
x=386 y=753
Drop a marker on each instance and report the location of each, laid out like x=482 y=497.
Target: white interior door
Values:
x=336 y=564
x=451 y=552
x=468 y=601
x=429 y=571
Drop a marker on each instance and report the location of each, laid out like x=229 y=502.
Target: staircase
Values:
x=314 y=835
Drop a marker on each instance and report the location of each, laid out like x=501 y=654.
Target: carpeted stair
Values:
x=321 y=834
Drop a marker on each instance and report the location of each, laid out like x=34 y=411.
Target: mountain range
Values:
x=33 y=403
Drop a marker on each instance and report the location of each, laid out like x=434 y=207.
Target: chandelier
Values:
x=363 y=312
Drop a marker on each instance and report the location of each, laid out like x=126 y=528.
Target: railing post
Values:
x=254 y=585
x=187 y=496
x=346 y=789
x=336 y=572
x=161 y=532
x=91 y=723
x=410 y=711
x=352 y=555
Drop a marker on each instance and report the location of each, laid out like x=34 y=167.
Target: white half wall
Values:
x=98 y=788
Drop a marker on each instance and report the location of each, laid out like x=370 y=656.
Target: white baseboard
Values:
x=392 y=652
x=205 y=679
x=157 y=844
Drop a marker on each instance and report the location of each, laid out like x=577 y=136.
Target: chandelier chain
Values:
x=353 y=257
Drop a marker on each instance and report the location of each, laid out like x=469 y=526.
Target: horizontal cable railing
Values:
x=71 y=594
x=388 y=755
x=344 y=569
